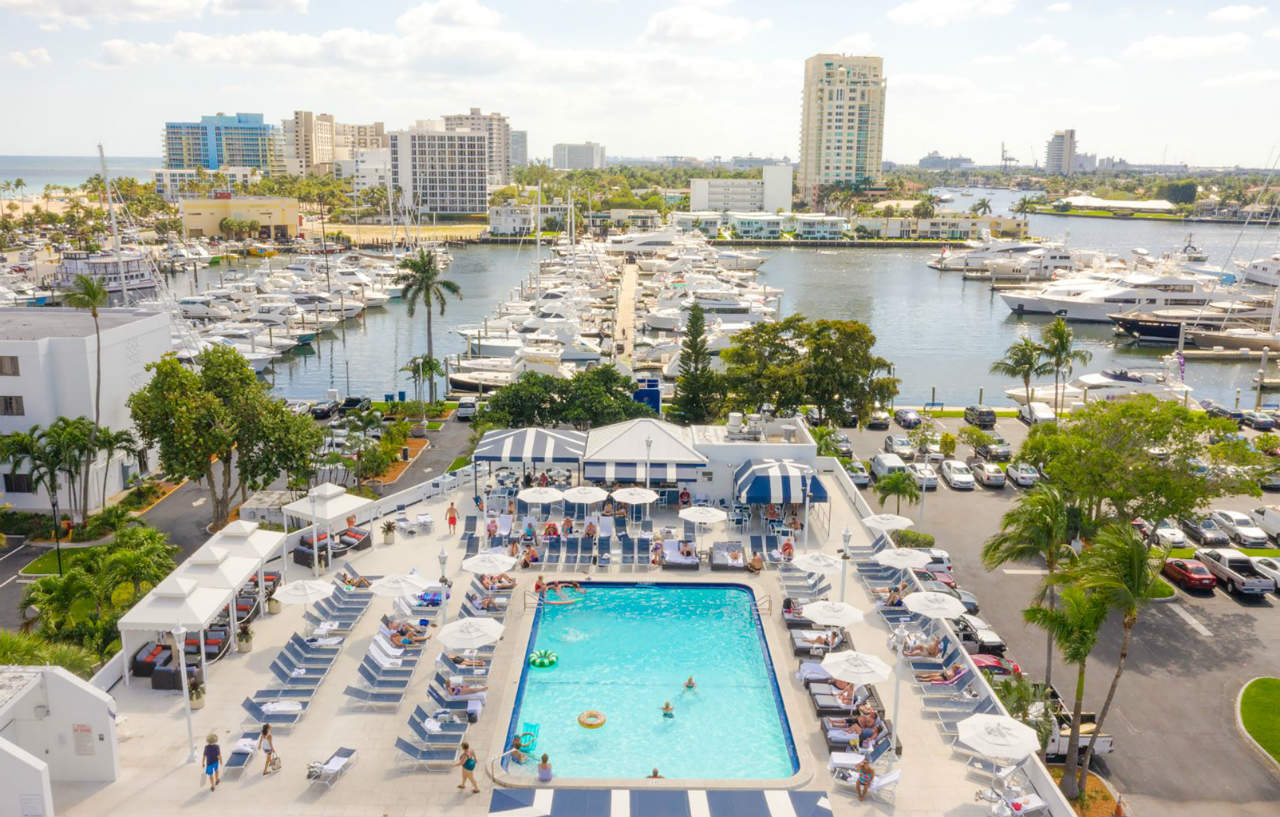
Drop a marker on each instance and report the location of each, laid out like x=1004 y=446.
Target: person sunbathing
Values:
x=502 y=581
x=735 y=556
x=894 y=599
x=491 y=530
x=530 y=556
x=567 y=526
x=771 y=512
x=884 y=591
x=485 y=602
x=931 y=648
x=590 y=530
x=608 y=508
x=461 y=661
x=511 y=507
x=942 y=676
x=457 y=688
x=358 y=581
x=404 y=638
x=686 y=549
x=827 y=639
x=403 y=626
x=756 y=564
x=551 y=530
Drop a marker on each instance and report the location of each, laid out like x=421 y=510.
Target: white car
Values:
x=957 y=475
x=857 y=473
x=1168 y=533
x=1240 y=528
x=926 y=477
x=900 y=445
x=298 y=407
x=1022 y=474
x=1036 y=413
x=988 y=473
x=1269 y=567
x=931 y=447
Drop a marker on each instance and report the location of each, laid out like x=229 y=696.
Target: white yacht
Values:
x=1110 y=384
x=738 y=260
x=1093 y=299
x=203 y=308
x=981 y=254
x=1265 y=271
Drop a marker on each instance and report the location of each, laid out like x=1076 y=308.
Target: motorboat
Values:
x=981 y=254
x=1265 y=271
x=1090 y=299
x=203 y=308
x=1167 y=325
x=1109 y=384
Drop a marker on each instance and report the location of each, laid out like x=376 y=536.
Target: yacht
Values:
x=1168 y=325
x=1110 y=384
x=1090 y=299
x=203 y=308
x=738 y=260
x=1265 y=271
x=130 y=270
x=981 y=254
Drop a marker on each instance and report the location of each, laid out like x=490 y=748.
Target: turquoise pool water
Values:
x=625 y=650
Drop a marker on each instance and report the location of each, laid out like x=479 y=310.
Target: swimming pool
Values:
x=625 y=649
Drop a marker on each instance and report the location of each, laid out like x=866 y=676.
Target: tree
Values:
x=766 y=363
x=923 y=209
x=974 y=437
x=87 y=293
x=1074 y=625
x=532 y=399
x=599 y=396
x=138 y=559
x=843 y=375
x=696 y=395
x=981 y=207
x=1058 y=347
x=825 y=439
x=900 y=485
x=1120 y=570
x=1036 y=529
x=27 y=649
x=1027 y=702
x=111 y=443
x=423 y=284
x=1024 y=205
x=1023 y=360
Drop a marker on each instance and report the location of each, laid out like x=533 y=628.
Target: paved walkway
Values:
x=624 y=326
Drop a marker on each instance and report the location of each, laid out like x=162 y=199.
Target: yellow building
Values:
x=276 y=217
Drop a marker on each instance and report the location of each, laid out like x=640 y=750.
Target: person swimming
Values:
x=690 y=686
x=668 y=711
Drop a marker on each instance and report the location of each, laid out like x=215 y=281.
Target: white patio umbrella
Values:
x=998 y=736
x=856 y=668
x=585 y=494
x=635 y=496
x=903 y=558
x=486 y=563
x=304 y=591
x=703 y=515
x=469 y=633
x=887 y=522
x=816 y=563
x=831 y=613
x=539 y=495
x=934 y=605
x=401 y=584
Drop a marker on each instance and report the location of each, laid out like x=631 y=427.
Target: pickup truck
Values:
x=1056 y=750
x=976 y=636
x=1235 y=570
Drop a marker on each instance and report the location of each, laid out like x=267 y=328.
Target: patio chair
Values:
x=628 y=551
x=262 y=696
x=571 y=545
x=304 y=659
x=379 y=683
x=438 y=739
x=371 y=697
x=473 y=545
x=444 y=662
x=243 y=751
x=316 y=650
x=437 y=760
x=443 y=702
x=469 y=526
x=297 y=676
x=350 y=570
x=602 y=554
x=383 y=667
x=276 y=713
x=328 y=771
x=606 y=528
x=551 y=556
x=504 y=525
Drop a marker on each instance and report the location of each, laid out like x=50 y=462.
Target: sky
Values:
x=1147 y=81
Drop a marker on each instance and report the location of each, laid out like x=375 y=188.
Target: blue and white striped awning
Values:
x=658 y=803
x=609 y=472
x=530 y=445
x=758 y=482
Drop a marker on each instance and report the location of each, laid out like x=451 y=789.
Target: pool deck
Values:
x=155 y=778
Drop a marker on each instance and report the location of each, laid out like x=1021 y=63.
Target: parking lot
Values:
x=1177 y=748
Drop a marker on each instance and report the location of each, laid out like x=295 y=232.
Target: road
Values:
x=1177 y=749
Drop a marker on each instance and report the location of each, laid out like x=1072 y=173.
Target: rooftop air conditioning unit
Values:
x=734 y=426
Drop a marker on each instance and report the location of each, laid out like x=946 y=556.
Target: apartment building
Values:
x=222 y=140
x=1060 y=152
x=440 y=171
x=517 y=219
x=498 y=130
x=770 y=193
x=577 y=156
x=170 y=182
x=841 y=123
x=519 y=148
x=368 y=167
x=314 y=141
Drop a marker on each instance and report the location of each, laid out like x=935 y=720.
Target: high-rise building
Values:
x=584 y=156
x=368 y=167
x=498 y=130
x=1060 y=152
x=842 y=122
x=440 y=170
x=239 y=140
x=314 y=141
x=769 y=193
x=519 y=148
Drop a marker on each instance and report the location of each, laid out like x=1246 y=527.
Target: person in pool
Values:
x=690 y=686
x=654 y=774
x=668 y=711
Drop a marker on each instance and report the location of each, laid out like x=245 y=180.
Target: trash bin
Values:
x=404 y=453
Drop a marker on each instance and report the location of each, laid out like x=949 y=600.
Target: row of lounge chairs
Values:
x=438 y=732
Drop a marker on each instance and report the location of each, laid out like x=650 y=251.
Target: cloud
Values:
x=1046 y=45
x=696 y=23
x=1273 y=34
x=1058 y=8
x=933 y=83
x=30 y=58
x=1168 y=47
x=468 y=13
x=1236 y=14
x=937 y=13
x=53 y=14
x=238 y=6
x=859 y=43
x=1263 y=77
x=992 y=59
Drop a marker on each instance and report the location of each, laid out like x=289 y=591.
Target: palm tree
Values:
x=36 y=449
x=61 y=601
x=1024 y=205
x=422 y=283
x=1074 y=626
x=1027 y=702
x=25 y=649
x=981 y=207
x=1022 y=360
x=88 y=293
x=111 y=443
x=143 y=563
x=1035 y=529
x=414 y=369
x=1120 y=570
x=1058 y=346
x=825 y=437
x=900 y=485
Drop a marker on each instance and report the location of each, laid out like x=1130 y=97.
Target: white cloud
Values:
x=1046 y=45
x=1273 y=34
x=1236 y=14
x=53 y=14
x=937 y=13
x=992 y=59
x=859 y=43
x=237 y=6
x=1167 y=47
x=469 y=13
x=1101 y=62
x=30 y=58
x=1058 y=8
x=695 y=23
x=1263 y=77
x=933 y=83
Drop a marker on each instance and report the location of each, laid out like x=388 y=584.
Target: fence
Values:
x=110 y=674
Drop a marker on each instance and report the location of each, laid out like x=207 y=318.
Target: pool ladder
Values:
x=530 y=596
x=764 y=606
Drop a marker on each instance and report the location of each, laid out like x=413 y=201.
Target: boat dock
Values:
x=624 y=323
x=1219 y=353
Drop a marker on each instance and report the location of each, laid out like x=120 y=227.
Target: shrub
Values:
x=912 y=539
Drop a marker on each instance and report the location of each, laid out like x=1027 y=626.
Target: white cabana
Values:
x=324 y=505
x=213 y=566
x=243 y=538
x=641 y=451
x=175 y=603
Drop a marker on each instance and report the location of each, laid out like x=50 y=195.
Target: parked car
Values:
x=945 y=579
x=983 y=417
x=1215 y=409
x=1036 y=413
x=988 y=474
x=899 y=444
x=926 y=477
x=1267 y=517
x=878 y=421
x=298 y=407
x=324 y=409
x=1204 y=531
x=1022 y=474
x=996 y=665
x=939 y=560
x=813 y=417
x=1240 y=528
x=1167 y=533
x=1259 y=420
x=996 y=449
x=907 y=418
x=1235 y=570
x=843 y=447
x=857 y=473
x=885 y=463
x=1188 y=574
x=957 y=475
x=1268 y=566
x=977 y=637
x=354 y=404
x=966 y=598
x=931 y=447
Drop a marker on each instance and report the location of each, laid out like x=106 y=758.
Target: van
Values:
x=1267 y=517
x=884 y=463
x=983 y=417
x=466 y=408
x=1036 y=413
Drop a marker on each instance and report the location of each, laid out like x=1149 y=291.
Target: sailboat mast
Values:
x=115 y=229
x=391 y=214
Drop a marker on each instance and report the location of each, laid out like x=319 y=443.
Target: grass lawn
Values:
x=435 y=425
x=1163 y=589
x=1260 y=712
x=48 y=563
x=1190 y=553
x=459 y=462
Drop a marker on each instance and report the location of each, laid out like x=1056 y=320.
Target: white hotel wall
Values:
x=26 y=789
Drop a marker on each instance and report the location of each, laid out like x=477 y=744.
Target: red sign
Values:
x=222 y=195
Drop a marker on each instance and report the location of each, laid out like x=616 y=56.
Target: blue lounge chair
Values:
x=284 y=693
x=469 y=526
x=352 y=572
x=551 y=553
x=473 y=545
x=571 y=551
x=312 y=649
x=456 y=727
x=628 y=552
x=297 y=670
x=443 y=702
x=239 y=758
x=602 y=554
x=288 y=679
x=440 y=737
x=373 y=697
x=304 y=659
x=440 y=760
x=444 y=662
x=379 y=683
x=332 y=769
x=257 y=713
x=344 y=625
x=386 y=672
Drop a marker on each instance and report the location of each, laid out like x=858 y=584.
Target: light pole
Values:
x=444 y=587
x=648 y=451
x=180 y=644
x=844 y=559
x=898 y=639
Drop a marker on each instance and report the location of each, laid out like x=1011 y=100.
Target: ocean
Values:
x=70 y=171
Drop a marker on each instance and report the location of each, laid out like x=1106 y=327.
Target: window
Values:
x=11 y=406
x=9 y=365
x=18 y=484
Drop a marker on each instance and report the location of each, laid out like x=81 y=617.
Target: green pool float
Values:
x=543 y=659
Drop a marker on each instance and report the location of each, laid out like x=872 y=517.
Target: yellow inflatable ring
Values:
x=591 y=719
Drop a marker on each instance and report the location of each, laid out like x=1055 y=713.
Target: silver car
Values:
x=900 y=445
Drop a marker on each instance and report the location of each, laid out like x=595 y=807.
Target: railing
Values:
x=528 y=596
x=764 y=606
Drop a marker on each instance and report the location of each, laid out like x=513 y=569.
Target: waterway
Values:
x=940 y=331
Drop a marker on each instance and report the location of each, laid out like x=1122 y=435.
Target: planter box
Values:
x=197 y=703
x=273 y=606
x=244 y=645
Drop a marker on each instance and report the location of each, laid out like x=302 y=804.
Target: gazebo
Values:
x=324 y=505
x=175 y=604
x=243 y=538
x=641 y=450
x=537 y=446
x=774 y=481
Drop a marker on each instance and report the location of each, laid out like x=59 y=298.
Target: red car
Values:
x=995 y=664
x=1189 y=574
x=936 y=576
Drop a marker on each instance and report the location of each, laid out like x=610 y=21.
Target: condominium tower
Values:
x=238 y=140
x=842 y=122
x=498 y=130
x=314 y=141
x=585 y=156
x=1060 y=152
x=440 y=171
x=519 y=148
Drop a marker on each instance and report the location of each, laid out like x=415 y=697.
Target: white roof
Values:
x=1116 y=204
x=176 y=602
x=217 y=567
x=243 y=538
x=331 y=503
x=625 y=442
